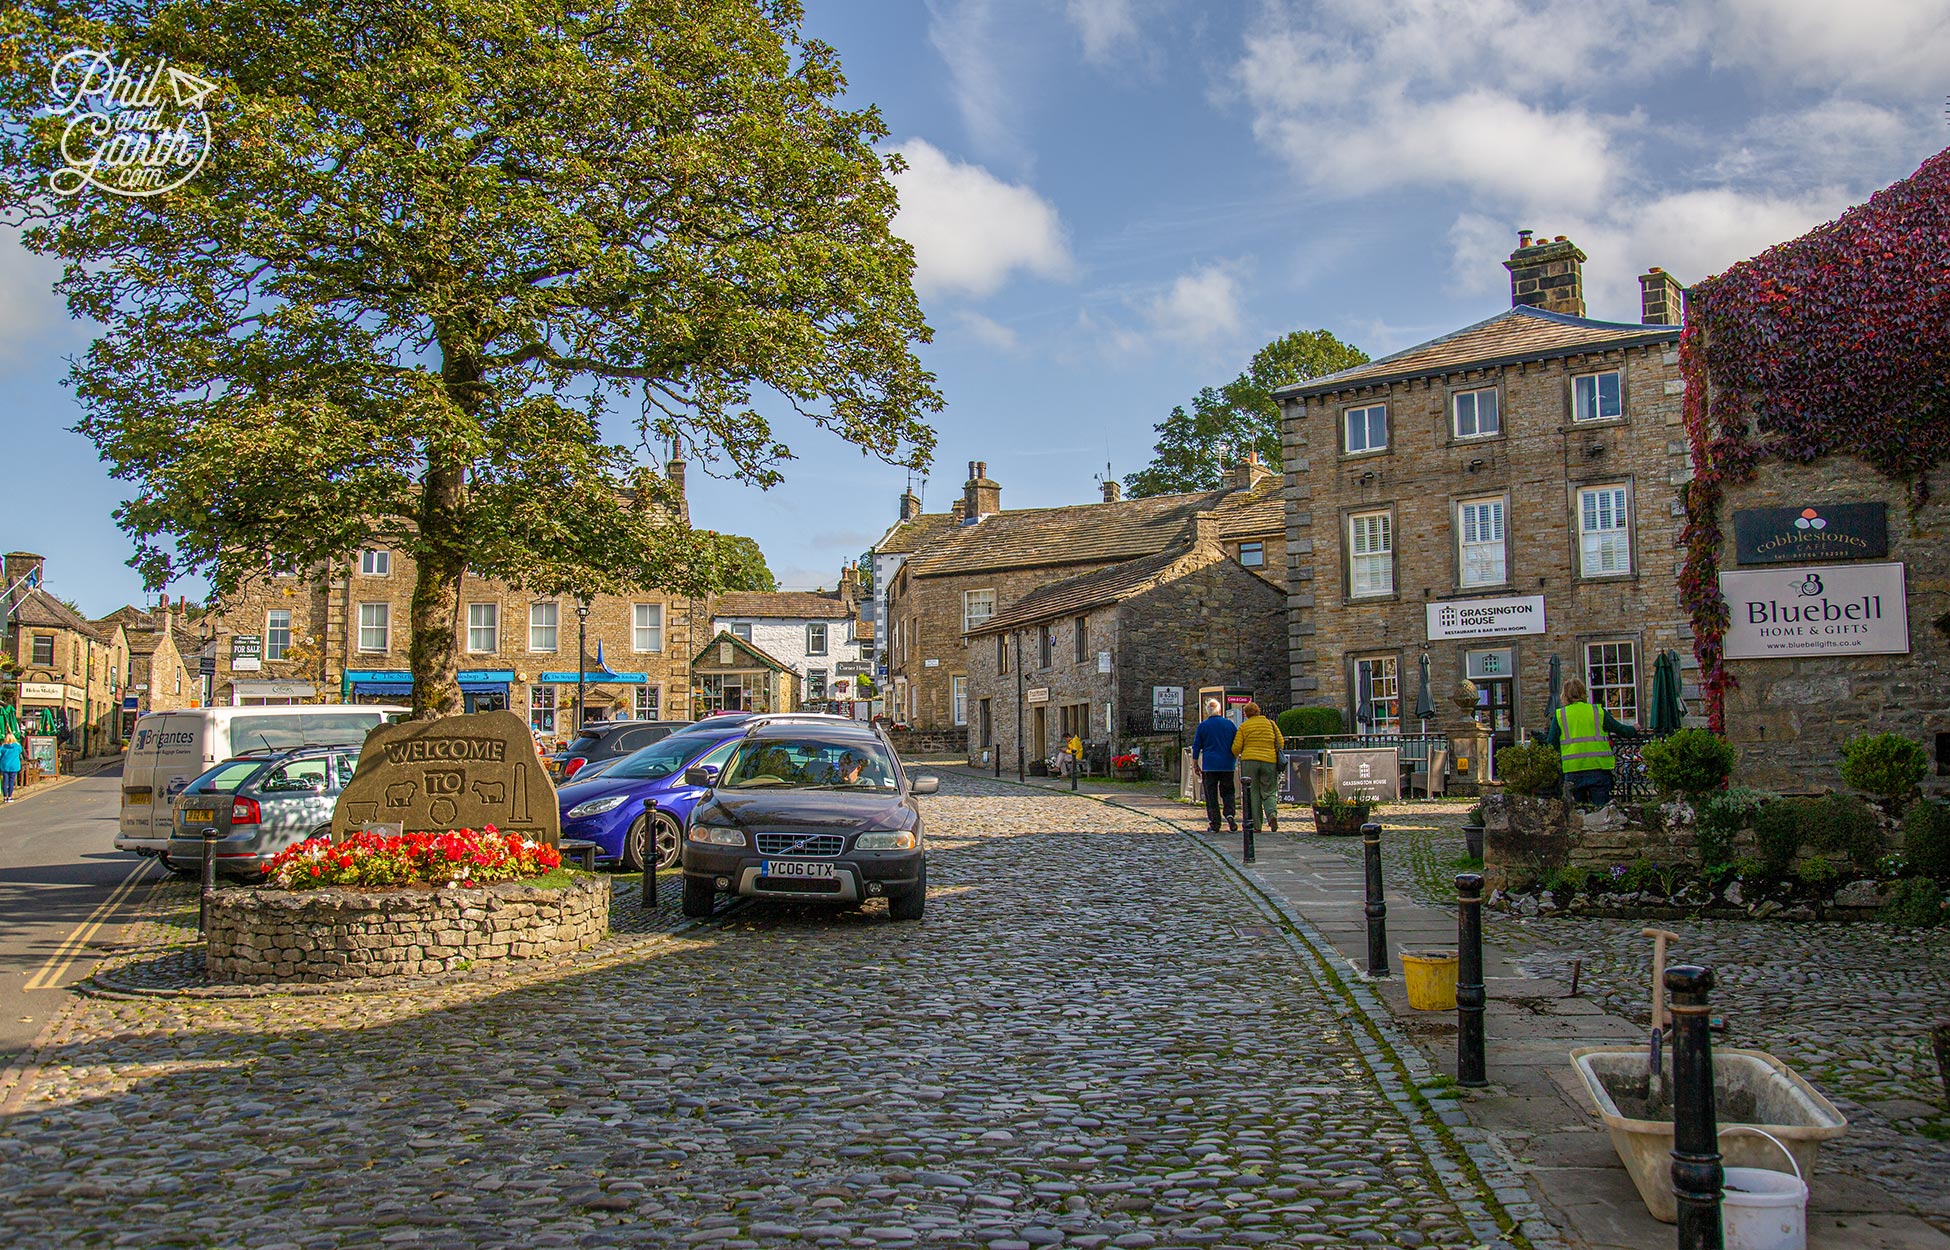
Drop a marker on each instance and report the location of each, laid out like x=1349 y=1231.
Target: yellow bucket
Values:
x=1431 y=977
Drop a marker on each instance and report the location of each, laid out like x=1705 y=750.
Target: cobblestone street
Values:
x=1094 y=1039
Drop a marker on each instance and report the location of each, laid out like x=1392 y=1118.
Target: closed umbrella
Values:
x=1557 y=689
x=1667 y=710
x=1424 y=704
x=1364 y=697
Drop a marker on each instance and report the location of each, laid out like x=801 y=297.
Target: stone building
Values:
x=64 y=665
x=952 y=572
x=812 y=632
x=1088 y=655
x=163 y=649
x=734 y=674
x=1496 y=497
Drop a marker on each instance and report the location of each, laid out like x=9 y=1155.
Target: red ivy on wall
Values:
x=1836 y=341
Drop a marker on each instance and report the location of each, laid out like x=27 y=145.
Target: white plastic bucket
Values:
x=1761 y=1209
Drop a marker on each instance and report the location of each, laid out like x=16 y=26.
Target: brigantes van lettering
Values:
x=488 y=750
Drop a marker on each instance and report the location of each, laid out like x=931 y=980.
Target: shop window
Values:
x=1612 y=671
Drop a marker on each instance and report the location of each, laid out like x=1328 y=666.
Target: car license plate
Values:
x=798 y=869
x=138 y=798
x=200 y=815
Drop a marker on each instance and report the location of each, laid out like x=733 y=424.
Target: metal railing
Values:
x=1629 y=782
x=1415 y=749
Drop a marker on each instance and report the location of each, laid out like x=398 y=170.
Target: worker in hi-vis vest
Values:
x=1581 y=731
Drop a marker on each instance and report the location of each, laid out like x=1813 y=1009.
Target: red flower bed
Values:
x=465 y=857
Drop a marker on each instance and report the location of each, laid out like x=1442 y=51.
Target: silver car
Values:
x=259 y=805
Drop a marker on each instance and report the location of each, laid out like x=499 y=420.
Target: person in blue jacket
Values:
x=1213 y=763
x=9 y=767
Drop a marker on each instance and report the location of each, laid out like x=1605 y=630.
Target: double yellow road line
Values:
x=71 y=947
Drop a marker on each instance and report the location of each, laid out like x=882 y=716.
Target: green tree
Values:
x=745 y=567
x=435 y=246
x=1195 y=448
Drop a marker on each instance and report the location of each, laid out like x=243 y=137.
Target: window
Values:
x=1596 y=397
x=1479 y=537
x=1365 y=429
x=742 y=630
x=483 y=627
x=277 y=634
x=977 y=606
x=1252 y=555
x=1378 y=691
x=958 y=697
x=541 y=708
x=1476 y=415
x=542 y=622
x=1371 y=554
x=44 y=650
x=1605 y=544
x=375 y=627
x=1083 y=639
x=816 y=638
x=649 y=702
x=648 y=627
x=375 y=563
x=1002 y=654
x=1045 y=646
x=1612 y=671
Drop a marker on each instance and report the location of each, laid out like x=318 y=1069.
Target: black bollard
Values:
x=1076 y=766
x=1246 y=809
x=1471 y=1067
x=210 y=837
x=1377 y=908
x=1696 y=1172
x=650 y=854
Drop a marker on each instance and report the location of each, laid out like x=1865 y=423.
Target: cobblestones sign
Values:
x=132 y=130
x=1487 y=618
x=1836 y=531
x=459 y=772
x=1830 y=609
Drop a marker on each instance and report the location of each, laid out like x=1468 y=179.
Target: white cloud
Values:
x=988 y=331
x=1199 y=307
x=970 y=230
x=1897 y=46
x=1104 y=26
x=963 y=32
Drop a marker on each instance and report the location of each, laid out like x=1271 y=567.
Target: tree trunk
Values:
x=442 y=558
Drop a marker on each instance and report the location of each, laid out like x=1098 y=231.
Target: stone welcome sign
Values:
x=459 y=772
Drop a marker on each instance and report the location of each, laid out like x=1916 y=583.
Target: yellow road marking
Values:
x=71 y=947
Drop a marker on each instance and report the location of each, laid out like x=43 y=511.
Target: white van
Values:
x=171 y=749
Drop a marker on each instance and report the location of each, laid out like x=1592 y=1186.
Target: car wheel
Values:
x=698 y=897
x=909 y=904
x=635 y=842
x=670 y=842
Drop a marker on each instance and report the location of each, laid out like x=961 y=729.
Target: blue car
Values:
x=608 y=809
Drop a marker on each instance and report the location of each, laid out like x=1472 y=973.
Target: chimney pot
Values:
x=981 y=496
x=1547 y=275
x=1523 y=237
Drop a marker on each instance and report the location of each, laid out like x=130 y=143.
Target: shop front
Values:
x=607 y=694
x=271 y=693
x=481 y=689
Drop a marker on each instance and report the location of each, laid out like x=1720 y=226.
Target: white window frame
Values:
x=647 y=619
x=541 y=706
x=977 y=606
x=1379 y=580
x=553 y=625
x=375 y=562
x=1475 y=399
x=1601 y=673
x=825 y=685
x=816 y=638
x=958 y=697
x=483 y=618
x=384 y=626
x=1385 y=691
x=275 y=651
x=1611 y=545
x=1366 y=412
x=1578 y=412
x=648 y=702
x=741 y=630
x=1470 y=529
x=1258 y=550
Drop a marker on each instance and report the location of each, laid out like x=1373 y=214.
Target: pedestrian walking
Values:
x=9 y=767
x=1257 y=744
x=1581 y=731
x=1213 y=764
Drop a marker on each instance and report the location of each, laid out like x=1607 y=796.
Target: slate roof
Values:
x=911 y=535
x=756 y=652
x=794 y=604
x=1518 y=334
x=1078 y=534
x=1075 y=595
x=36 y=607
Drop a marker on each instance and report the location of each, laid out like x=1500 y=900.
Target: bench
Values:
x=581 y=850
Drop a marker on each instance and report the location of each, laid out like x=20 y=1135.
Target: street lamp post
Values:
x=582 y=662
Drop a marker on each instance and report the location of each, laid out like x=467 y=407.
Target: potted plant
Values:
x=1129 y=767
x=1337 y=815
x=1473 y=832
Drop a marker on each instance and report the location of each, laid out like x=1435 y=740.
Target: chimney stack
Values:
x=1250 y=471
x=1113 y=490
x=958 y=511
x=980 y=497
x=910 y=506
x=1547 y=275
x=15 y=566
x=1662 y=299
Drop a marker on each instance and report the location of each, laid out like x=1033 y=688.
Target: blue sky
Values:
x=1114 y=202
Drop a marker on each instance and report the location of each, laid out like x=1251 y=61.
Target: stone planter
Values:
x=1128 y=774
x=1473 y=840
x=259 y=934
x=1345 y=826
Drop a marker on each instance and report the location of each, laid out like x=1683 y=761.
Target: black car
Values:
x=811 y=810
x=612 y=739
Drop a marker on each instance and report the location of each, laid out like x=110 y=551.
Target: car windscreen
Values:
x=282 y=733
x=659 y=759
x=225 y=778
x=809 y=762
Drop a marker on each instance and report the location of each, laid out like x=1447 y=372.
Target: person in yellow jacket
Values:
x=1073 y=755
x=1581 y=731
x=1257 y=744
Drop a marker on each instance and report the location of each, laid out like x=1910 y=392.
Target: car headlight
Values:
x=596 y=807
x=718 y=835
x=902 y=841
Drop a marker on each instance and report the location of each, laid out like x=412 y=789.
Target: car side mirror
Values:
x=702 y=775
x=924 y=785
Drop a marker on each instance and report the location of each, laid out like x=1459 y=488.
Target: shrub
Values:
x=1722 y=815
x=1844 y=824
x=1334 y=806
x=1475 y=816
x=1886 y=765
x=1309 y=722
x=463 y=858
x=1748 y=868
x=1777 y=835
x=1916 y=904
x=1567 y=880
x=1530 y=768
x=1690 y=762
x=1818 y=872
x=1641 y=874
x=1926 y=838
